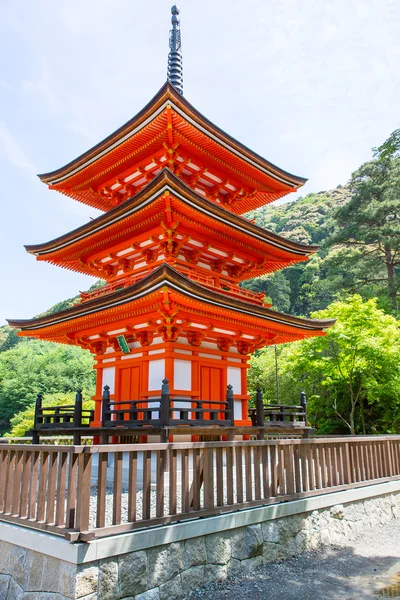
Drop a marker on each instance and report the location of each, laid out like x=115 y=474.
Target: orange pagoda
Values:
x=173 y=248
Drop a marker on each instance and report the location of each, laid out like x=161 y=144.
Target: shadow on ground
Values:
x=334 y=574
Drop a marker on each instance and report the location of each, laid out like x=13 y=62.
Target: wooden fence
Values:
x=84 y=492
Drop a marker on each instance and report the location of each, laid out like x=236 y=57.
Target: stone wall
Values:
x=169 y=571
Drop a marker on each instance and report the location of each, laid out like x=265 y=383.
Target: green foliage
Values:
x=35 y=366
x=23 y=421
x=351 y=375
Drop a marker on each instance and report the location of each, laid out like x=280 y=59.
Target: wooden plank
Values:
x=257 y=478
x=219 y=476
x=146 y=506
x=318 y=480
x=335 y=465
x=61 y=489
x=16 y=491
x=83 y=492
x=297 y=473
x=248 y=474
x=197 y=478
x=329 y=474
x=341 y=465
x=289 y=470
x=101 y=490
x=310 y=467
x=44 y=468
x=239 y=474
x=161 y=458
x=208 y=455
x=281 y=470
x=266 y=478
x=51 y=488
x=185 y=480
x=172 y=481
x=33 y=487
x=389 y=470
x=304 y=468
x=132 y=486
x=26 y=475
x=117 y=488
x=9 y=481
x=229 y=475
x=4 y=457
x=361 y=460
x=274 y=472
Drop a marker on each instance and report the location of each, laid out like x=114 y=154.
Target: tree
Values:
x=35 y=366
x=370 y=221
x=353 y=373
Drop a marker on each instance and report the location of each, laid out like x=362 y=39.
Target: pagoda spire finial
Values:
x=175 y=67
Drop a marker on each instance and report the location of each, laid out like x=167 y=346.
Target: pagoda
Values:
x=173 y=246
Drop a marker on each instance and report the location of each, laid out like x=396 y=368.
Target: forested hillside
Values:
x=352 y=375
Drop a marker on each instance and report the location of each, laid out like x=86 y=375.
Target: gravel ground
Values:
x=355 y=572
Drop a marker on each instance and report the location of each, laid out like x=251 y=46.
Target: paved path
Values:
x=355 y=572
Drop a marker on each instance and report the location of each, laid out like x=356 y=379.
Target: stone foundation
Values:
x=170 y=570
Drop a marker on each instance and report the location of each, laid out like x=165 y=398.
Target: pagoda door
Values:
x=129 y=385
x=211 y=385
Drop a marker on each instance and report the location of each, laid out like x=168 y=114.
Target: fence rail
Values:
x=84 y=492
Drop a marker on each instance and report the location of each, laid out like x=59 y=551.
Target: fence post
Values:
x=37 y=417
x=77 y=416
x=259 y=408
x=230 y=404
x=105 y=405
x=303 y=404
x=165 y=403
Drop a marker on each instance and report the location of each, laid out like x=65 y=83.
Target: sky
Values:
x=311 y=86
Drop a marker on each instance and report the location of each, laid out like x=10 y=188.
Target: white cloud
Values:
x=11 y=149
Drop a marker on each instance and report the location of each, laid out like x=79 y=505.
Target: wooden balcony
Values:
x=224 y=286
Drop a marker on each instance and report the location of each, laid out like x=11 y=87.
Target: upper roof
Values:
x=147 y=208
x=170 y=129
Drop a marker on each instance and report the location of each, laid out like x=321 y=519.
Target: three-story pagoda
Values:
x=173 y=247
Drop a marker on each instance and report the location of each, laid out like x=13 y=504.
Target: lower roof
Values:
x=167 y=277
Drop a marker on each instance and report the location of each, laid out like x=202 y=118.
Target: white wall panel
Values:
x=156 y=373
x=182 y=374
x=109 y=378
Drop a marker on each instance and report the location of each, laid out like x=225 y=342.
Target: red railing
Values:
x=224 y=287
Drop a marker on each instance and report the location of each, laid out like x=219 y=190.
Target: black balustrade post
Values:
x=165 y=403
x=105 y=405
x=78 y=409
x=38 y=407
x=230 y=416
x=303 y=404
x=259 y=408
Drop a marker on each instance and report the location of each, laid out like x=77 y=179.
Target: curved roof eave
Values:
x=165 y=178
x=168 y=91
x=165 y=275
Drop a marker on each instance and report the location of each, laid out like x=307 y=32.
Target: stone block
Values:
x=108 y=580
x=68 y=574
x=17 y=567
x=247 y=542
x=51 y=574
x=34 y=567
x=249 y=565
x=149 y=595
x=195 y=552
x=164 y=563
x=219 y=549
x=87 y=580
x=214 y=573
x=172 y=589
x=14 y=592
x=270 y=532
x=337 y=512
x=192 y=578
x=354 y=512
x=133 y=573
x=270 y=553
x=234 y=568
x=325 y=537
x=5 y=553
x=4 y=583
